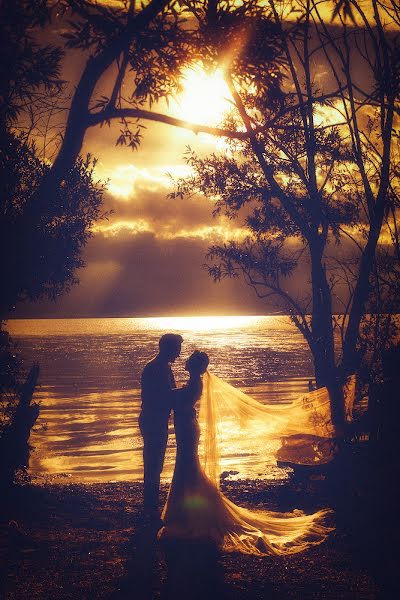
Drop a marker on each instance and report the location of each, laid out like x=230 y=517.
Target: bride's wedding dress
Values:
x=197 y=509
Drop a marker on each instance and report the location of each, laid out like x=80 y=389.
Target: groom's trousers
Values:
x=154 y=446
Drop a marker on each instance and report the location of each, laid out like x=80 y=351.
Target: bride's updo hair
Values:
x=197 y=362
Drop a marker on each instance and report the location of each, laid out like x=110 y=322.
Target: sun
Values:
x=205 y=97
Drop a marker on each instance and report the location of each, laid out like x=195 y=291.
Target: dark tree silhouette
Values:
x=303 y=175
x=28 y=71
x=142 y=51
x=141 y=48
x=40 y=241
x=318 y=170
x=41 y=244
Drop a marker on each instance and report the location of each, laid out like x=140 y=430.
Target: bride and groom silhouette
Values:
x=196 y=509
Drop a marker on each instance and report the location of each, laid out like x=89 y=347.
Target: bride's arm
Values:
x=189 y=394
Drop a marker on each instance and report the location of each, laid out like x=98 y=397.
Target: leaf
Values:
x=347 y=10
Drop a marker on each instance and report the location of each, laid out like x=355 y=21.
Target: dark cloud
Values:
x=141 y=276
x=149 y=209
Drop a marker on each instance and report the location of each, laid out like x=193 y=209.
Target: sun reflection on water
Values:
x=201 y=323
x=90 y=379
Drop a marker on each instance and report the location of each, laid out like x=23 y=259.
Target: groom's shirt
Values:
x=157 y=385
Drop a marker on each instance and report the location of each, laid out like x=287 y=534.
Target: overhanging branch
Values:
x=148 y=115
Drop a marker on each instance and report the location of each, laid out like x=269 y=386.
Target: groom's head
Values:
x=170 y=346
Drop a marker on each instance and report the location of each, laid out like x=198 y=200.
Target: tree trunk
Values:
x=78 y=122
x=14 y=445
x=326 y=372
x=360 y=297
x=328 y=375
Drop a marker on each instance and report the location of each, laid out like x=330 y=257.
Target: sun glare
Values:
x=205 y=97
x=122 y=181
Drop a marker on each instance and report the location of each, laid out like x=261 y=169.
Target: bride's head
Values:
x=197 y=363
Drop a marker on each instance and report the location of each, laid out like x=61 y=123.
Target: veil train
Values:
x=232 y=422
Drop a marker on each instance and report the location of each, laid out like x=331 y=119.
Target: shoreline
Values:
x=89 y=541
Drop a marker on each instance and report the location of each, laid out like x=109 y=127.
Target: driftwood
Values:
x=14 y=444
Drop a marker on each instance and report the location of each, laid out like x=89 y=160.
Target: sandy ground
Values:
x=91 y=542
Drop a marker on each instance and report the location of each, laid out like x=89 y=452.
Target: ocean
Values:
x=89 y=386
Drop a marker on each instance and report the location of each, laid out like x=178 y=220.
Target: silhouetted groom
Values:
x=157 y=385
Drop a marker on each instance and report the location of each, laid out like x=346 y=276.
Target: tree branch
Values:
x=139 y=113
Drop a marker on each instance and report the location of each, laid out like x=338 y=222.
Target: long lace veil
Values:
x=237 y=429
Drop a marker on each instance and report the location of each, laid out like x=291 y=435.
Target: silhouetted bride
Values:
x=195 y=507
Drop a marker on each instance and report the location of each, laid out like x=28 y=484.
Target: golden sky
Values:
x=289 y=8
x=147 y=258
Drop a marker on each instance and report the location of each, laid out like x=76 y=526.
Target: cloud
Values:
x=138 y=198
x=147 y=260
x=140 y=275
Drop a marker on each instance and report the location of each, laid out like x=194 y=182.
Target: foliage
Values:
x=41 y=243
x=10 y=365
x=242 y=39
x=380 y=325
x=27 y=68
x=152 y=55
x=312 y=169
x=313 y=181
x=41 y=239
x=144 y=49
